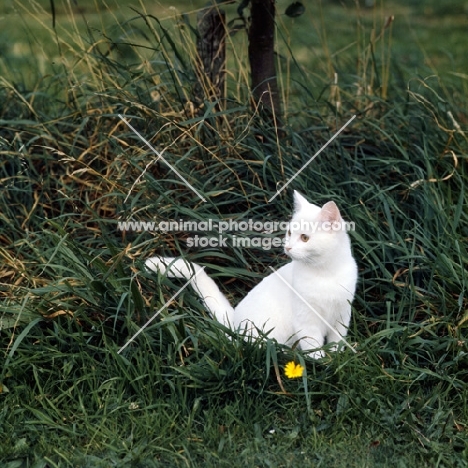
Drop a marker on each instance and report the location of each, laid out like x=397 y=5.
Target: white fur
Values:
x=321 y=279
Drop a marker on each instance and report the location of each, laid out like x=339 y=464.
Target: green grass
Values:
x=73 y=288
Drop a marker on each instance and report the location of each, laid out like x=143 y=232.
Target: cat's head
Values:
x=315 y=233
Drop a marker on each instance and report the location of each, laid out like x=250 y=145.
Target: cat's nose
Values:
x=288 y=248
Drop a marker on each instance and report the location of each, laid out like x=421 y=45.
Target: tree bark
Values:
x=262 y=56
x=211 y=48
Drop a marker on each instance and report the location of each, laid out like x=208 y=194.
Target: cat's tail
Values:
x=215 y=301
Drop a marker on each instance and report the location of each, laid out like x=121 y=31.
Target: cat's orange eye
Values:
x=304 y=237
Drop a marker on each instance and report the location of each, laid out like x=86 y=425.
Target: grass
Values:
x=73 y=288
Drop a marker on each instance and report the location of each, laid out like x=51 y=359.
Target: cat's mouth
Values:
x=310 y=258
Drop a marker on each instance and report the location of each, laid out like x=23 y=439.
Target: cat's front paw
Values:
x=316 y=354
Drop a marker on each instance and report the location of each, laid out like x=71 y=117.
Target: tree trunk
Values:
x=211 y=48
x=262 y=56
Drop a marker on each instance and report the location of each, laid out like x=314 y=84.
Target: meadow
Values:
x=77 y=388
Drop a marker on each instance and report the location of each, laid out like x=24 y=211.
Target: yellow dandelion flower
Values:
x=293 y=370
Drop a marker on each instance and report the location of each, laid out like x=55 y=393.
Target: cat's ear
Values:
x=299 y=201
x=330 y=213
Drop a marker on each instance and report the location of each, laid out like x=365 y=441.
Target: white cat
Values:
x=307 y=300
